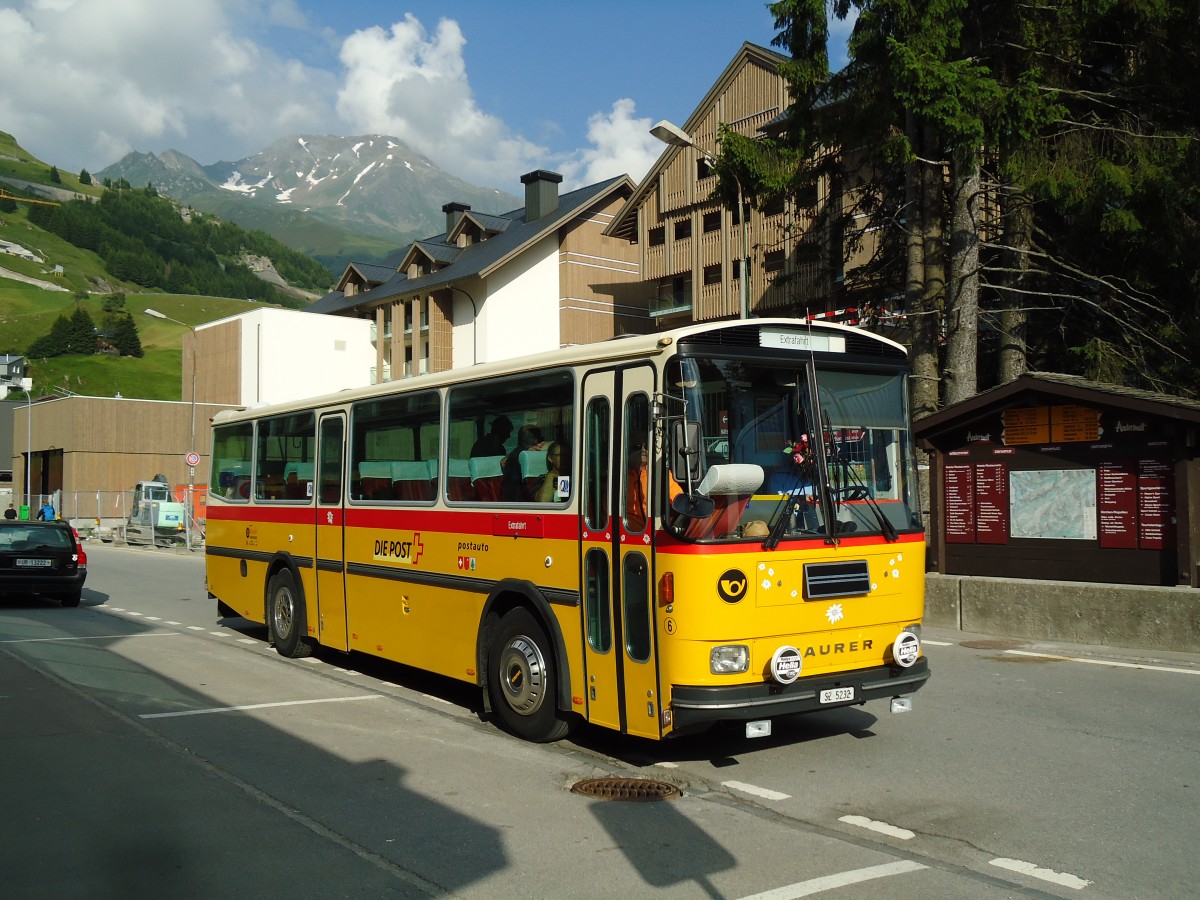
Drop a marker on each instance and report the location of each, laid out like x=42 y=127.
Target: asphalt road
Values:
x=148 y=749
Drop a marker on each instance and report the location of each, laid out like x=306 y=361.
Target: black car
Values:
x=42 y=558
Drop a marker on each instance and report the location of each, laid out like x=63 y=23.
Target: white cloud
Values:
x=90 y=80
x=143 y=74
x=621 y=144
x=411 y=85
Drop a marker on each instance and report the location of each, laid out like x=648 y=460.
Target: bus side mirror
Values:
x=685 y=452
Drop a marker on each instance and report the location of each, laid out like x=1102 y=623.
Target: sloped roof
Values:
x=370 y=273
x=486 y=223
x=1055 y=385
x=480 y=259
x=625 y=223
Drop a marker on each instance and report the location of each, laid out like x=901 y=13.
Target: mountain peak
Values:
x=371 y=185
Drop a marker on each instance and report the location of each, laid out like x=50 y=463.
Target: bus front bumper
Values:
x=703 y=705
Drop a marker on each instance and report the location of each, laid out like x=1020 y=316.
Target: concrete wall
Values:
x=1134 y=616
x=287 y=355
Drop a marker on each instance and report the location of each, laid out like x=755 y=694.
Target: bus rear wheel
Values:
x=522 y=680
x=287 y=620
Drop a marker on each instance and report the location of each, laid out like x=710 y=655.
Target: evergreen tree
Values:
x=85 y=177
x=82 y=332
x=54 y=176
x=125 y=336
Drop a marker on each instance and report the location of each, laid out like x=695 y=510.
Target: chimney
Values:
x=541 y=193
x=453 y=210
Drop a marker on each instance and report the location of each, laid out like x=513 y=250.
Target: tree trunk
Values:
x=927 y=325
x=1013 y=359
x=923 y=379
x=962 y=307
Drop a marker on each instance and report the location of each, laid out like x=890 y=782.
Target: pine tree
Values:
x=54 y=176
x=85 y=177
x=125 y=336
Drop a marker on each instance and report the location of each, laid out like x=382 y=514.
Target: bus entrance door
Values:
x=331 y=547
x=617 y=550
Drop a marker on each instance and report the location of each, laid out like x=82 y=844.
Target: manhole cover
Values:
x=636 y=789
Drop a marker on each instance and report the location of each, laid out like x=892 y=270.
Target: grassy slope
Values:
x=27 y=312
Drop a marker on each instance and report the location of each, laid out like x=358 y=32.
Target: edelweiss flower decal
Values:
x=834 y=614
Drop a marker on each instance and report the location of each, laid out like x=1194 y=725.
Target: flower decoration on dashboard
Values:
x=799 y=450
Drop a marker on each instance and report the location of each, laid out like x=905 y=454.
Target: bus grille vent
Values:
x=840 y=579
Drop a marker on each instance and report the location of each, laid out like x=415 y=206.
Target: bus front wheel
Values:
x=287 y=619
x=522 y=679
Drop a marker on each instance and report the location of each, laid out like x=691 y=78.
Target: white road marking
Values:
x=667 y=765
x=247 y=641
x=195 y=628
x=1105 y=662
x=765 y=793
x=222 y=709
x=842 y=879
x=94 y=637
x=154 y=618
x=132 y=613
x=218 y=633
x=169 y=622
x=938 y=643
x=1026 y=868
x=882 y=827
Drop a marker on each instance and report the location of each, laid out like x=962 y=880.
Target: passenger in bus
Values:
x=529 y=437
x=492 y=443
x=558 y=465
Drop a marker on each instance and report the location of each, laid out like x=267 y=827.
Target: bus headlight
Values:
x=730 y=659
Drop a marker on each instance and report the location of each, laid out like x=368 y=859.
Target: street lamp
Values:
x=192 y=441
x=672 y=134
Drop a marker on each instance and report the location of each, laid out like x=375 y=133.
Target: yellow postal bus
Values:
x=651 y=534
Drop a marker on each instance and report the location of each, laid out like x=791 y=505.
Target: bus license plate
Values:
x=837 y=695
x=35 y=563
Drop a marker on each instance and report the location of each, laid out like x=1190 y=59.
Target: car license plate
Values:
x=837 y=695
x=35 y=563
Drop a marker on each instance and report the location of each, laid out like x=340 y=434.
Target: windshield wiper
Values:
x=849 y=476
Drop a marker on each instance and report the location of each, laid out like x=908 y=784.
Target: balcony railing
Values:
x=668 y=304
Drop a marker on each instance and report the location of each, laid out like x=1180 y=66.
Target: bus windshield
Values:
x=783 y=450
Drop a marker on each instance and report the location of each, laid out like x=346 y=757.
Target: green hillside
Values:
x=27 y=311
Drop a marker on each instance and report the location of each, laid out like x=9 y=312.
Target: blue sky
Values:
x=487 y=90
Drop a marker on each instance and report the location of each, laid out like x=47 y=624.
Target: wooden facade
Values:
x=692 y=247
x=88 y=445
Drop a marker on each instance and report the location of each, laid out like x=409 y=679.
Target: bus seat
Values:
x=487 y=476
x=730 y=488
x=458 y=480
x=413 y=481
x=533 y=470
x=376 y=479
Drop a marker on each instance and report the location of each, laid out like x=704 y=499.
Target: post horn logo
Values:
x=732 y=586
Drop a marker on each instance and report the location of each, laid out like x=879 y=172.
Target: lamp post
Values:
x=672 y=134
x=192 y=440
x=27 y=384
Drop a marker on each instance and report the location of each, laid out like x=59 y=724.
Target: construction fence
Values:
x=107 y=514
